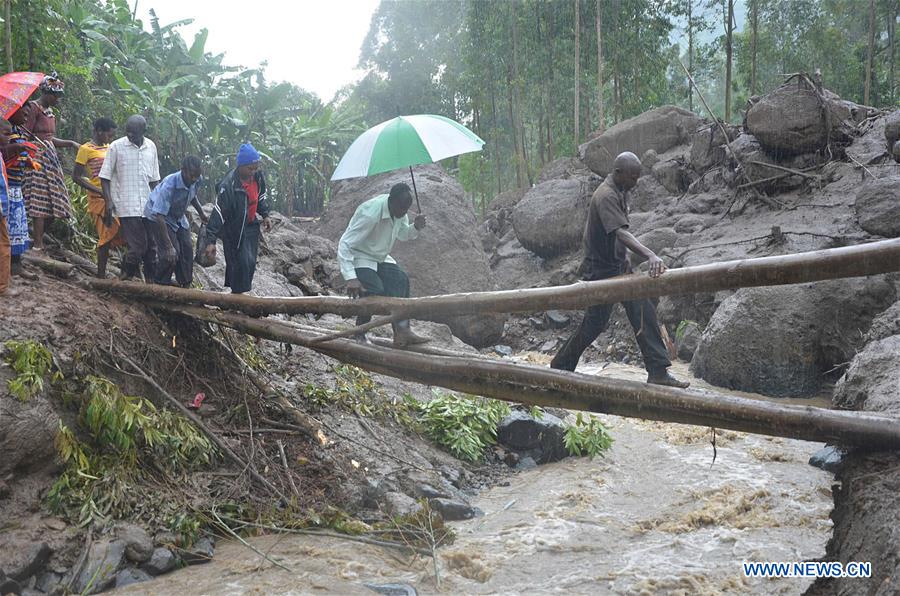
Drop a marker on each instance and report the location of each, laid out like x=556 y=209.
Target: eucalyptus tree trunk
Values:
x=577 y=73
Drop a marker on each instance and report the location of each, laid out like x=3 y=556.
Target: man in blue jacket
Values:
x=241 y=208
x=166 y=210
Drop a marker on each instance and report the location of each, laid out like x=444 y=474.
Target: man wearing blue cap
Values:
x=236 y=217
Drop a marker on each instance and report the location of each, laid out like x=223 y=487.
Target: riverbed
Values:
x=655 y=515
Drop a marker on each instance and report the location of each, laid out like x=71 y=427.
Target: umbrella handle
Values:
x=418 y=207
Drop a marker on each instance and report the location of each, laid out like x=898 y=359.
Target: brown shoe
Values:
x=667 y=380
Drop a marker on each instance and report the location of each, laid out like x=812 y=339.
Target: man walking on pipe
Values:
x=364 y=253
x=606 y=238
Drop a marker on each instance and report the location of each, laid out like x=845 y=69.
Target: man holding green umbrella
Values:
x=364 y=253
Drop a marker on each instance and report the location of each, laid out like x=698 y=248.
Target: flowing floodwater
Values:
x=656 y=515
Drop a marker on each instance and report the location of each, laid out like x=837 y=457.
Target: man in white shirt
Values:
x=130 y=171
x=364 y=253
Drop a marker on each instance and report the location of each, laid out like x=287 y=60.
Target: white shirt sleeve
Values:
x=360 y=225
x=154 y=175
x=109 y=162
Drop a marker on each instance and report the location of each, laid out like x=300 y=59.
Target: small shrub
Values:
x=32 y=362
x=126 y=437
x=463 y=424
x=587 y=437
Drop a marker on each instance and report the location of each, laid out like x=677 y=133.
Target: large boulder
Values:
x=797 y=118
x=659 y=129
x=886 y=324
x=781 y=341
x=549 y=220
x=447 y=256
x=873 y=380
x=27 y=433
x=562 y=168
x=892 y=129
x=878 y=206
x=866 y=499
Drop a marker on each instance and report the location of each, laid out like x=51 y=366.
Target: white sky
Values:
x=312 y=43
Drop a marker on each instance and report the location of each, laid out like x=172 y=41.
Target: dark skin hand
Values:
x=657 y=267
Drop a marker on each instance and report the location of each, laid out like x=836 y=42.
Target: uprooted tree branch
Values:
x=539 y=386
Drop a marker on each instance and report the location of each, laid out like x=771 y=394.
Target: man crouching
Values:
x=364 y=254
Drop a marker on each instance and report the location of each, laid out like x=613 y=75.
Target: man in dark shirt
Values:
x=606 y=238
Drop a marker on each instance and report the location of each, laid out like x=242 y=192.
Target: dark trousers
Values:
x=641 y=314
x=240 y=259
x=141 y=242
x=389 y=280
x=183 y=265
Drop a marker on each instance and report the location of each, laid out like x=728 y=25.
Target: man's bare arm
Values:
x=657 y=267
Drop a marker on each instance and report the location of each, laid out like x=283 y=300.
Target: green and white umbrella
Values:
x=406 y=141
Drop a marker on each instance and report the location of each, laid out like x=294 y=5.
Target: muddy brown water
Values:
x=654 y=516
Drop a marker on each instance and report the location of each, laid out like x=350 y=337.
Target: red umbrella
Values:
x=16 y=88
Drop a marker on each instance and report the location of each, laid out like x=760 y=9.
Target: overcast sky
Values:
x=311 y=43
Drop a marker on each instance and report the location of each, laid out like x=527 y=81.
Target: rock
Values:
x=691 y=223
x=430 y=492
x=646 y=196
x=789 y=120
x=9 y=586
x=753 y=159
x=870 y=147
x=393 y=589
x=871 y=381
x=886 y=324
x=27 y=562
x=447 y=256
x=649 y=159
x=503 y=350
x=201 y=552
x=687 y=339
x=557 y=320
x=672 y=175
x=165 y=538
x=543 y=438
x=549 y=220
x=129 y=576
x=708 y=146
x=452 y=510
x=506 y=199
x=138 y=543
x=526 y=463
x=103 y=562
x=878 y=206
x=537 y=323
x=781 y=341
x=892 y=129
x=397 y=504
x=563 y=169
x=659 y=129
x=27 y=433
x=161 y=561
x=454 y=476
x=656 y=240
x=549 y=345
x=827 y=458
x=49 y=582
x=866 y=499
